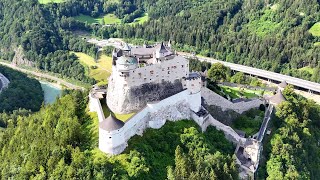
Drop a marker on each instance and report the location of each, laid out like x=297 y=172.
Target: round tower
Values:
x=111 y=136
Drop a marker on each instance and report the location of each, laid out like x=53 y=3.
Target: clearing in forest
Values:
x=106 y=19
x=315 y=29
x=100 y=70
x=264 y=25
x=50 y=1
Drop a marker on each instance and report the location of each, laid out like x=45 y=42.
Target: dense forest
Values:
x=268 y=34
x=23 y=92
x=294 y=151
x=60 y=142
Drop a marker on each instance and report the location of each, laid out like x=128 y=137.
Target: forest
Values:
x=23 y=92
x=276 y=35
x=293 y=151
x=60 y=142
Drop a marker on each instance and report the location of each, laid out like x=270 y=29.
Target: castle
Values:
x=155 y=84
x=152 y=82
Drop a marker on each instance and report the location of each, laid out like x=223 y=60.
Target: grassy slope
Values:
x=104 y=66
x=235 y=92
x=264 y=25
x=315 y=29
x=108 y=19
x=140 y=20
x=50 y=1
x=308 y=69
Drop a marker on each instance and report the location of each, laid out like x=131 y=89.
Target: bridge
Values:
x=300 y=83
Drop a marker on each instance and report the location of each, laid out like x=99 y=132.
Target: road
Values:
x=43 y=75
x=308 y=85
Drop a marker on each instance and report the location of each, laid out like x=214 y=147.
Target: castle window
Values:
x=151 y=72
x=168 y=68
x=182 y=66
x=110 y=137
x=168 y=72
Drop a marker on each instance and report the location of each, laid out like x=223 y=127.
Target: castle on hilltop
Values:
x=154 y=83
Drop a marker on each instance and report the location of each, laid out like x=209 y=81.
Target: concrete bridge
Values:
x=300 y=83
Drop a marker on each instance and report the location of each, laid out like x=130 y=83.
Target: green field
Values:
x=50 y=1
x=317 y=44
x=103 y=66
x=107 y=19
x=315 y=29
x=140 y=20
x=236 y=92
x=308 y=69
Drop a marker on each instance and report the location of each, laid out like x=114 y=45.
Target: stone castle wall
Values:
x=215 y=99
x=154 y=115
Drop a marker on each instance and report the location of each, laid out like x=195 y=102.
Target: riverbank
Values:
x=51 y=91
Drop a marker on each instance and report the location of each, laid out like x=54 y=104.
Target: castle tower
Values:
x=161 y=51
x=111 y=136
x=193 y=85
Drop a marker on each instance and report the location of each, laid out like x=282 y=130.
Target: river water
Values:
x=51 y=92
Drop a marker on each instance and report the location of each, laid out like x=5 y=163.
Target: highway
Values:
x=308 y=85
x=43 y=75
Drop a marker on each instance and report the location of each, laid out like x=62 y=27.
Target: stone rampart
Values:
x=214 y=99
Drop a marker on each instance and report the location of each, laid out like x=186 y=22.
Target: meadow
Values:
x=236 y=92
x=109 y=19
x=315 y=30
x=100 y=70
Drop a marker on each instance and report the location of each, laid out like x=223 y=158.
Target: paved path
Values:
x=265 y=123
x=43 y=75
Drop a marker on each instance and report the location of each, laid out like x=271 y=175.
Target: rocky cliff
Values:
x=124 y=100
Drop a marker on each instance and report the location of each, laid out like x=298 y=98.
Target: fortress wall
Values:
x=215 y=99
x=95 y=106
x=154 y=115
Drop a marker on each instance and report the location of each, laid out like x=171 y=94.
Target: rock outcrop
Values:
x=124 y=99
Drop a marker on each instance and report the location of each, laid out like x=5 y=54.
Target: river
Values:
x=51 y=92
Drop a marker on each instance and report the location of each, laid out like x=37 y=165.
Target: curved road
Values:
x=43 y=75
